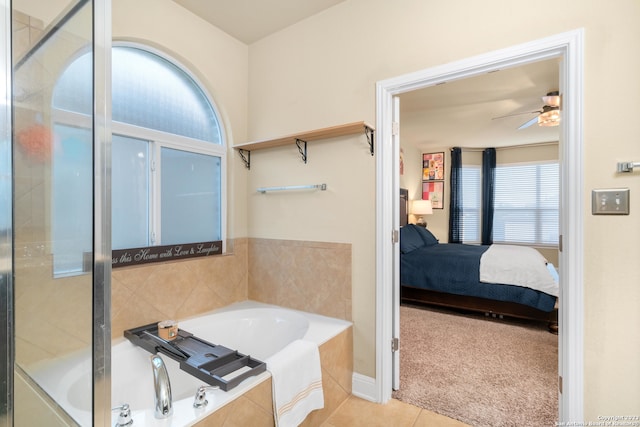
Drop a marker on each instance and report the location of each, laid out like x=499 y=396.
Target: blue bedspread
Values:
x=455 y=269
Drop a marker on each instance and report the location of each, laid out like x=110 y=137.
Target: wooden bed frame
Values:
x=489 y=307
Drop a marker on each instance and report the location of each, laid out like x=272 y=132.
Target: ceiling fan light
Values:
x=552 y=99
x=550 y=117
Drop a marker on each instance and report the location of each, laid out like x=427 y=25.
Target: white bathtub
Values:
x=252 y=328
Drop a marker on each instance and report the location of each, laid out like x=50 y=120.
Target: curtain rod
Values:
x=508 y=147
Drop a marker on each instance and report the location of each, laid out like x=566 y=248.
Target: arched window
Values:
x=168 y=155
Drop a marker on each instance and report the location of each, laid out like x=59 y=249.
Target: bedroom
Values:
x=430 y=123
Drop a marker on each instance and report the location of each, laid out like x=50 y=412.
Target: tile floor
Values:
x=356 y=412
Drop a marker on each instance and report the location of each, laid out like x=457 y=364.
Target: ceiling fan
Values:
x=549 y=115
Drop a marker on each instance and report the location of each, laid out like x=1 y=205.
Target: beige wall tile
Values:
x=337 y=360
x=176 y=290
x=216 y=419
x=244 y=412
x=261 y=396
x=308 y=276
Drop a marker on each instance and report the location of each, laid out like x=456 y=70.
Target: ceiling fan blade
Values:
x=517 y=114
x=529 y=123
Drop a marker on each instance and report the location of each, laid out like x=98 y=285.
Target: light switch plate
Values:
x=610 y=201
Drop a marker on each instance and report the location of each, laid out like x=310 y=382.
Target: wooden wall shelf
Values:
x=301 y=139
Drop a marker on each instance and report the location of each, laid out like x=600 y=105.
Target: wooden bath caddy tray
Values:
x=214 y=364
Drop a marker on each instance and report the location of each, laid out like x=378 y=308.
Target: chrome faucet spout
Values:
x=162 y=387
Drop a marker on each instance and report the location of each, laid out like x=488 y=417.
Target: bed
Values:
x=498 y=280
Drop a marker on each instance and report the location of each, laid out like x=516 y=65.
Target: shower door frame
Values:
x=102 y=212
x=6 y=234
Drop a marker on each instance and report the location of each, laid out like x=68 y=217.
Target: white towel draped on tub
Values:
x=296 y=378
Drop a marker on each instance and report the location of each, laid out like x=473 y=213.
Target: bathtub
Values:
x=256 y=329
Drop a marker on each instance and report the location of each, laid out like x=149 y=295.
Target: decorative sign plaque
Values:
x=135 y=256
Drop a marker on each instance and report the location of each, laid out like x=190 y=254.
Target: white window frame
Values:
x=158 y=140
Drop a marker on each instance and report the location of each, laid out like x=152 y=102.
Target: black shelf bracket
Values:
x=302 y=148
x=369 y=132
x=245 y=159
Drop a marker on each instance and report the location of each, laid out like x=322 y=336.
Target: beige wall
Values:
x=323 y=71
x=341 y=214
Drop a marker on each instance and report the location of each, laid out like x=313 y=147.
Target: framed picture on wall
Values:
x=434 y=191
x=433 y=166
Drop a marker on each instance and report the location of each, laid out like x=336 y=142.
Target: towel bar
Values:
x=322 y=187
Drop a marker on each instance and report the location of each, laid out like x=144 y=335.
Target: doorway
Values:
x=568 y=48
x=435 y=356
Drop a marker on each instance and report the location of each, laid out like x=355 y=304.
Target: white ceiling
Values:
x=461 y=113
x=251 y=20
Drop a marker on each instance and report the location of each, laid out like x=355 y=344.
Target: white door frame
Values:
x=568 y=47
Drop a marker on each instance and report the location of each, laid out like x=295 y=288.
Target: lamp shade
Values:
x=421 y=207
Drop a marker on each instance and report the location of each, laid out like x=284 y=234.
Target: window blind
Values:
x=527 y=204
x=471 y=198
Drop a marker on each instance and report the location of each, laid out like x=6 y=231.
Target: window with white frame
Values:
x=527 y=204
x=168 y=156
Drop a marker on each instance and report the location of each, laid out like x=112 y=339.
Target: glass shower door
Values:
x=60 y=279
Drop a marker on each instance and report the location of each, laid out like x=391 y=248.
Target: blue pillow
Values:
x=410 y=239
x=429 y=239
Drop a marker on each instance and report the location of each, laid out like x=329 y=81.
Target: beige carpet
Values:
x=481 y=371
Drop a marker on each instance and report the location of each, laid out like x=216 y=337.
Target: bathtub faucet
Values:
x=124 y=418
x=162 y=388
x=200 y=401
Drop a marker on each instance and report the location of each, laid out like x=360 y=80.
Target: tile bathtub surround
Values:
x=255 y=408
x=336 y=357
x=177 y=290
x=307 y=276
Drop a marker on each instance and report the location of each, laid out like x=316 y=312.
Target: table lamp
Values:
x=419 y=208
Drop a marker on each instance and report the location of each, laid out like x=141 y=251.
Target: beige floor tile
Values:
x=431 y=419
x=357 y=412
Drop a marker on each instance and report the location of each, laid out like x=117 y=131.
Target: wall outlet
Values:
x=610 y=201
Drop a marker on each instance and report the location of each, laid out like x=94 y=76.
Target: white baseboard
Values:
x=364 y=387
